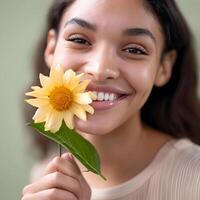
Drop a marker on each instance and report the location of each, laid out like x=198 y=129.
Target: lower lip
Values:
x=105 y=105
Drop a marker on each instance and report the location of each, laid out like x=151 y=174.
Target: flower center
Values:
x=61 y=98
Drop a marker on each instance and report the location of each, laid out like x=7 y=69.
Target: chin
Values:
x=92 y=128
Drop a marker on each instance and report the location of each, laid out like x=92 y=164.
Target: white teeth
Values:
x=106 y=96
x=102 y=96
x=111 y=97
x=95 y=93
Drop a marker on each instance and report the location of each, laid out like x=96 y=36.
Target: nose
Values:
x=102 y=64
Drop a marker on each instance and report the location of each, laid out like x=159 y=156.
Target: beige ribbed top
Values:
x=174 y=174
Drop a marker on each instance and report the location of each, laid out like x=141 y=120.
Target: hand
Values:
x=62 y=181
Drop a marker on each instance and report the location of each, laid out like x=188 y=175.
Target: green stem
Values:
x=59 y=150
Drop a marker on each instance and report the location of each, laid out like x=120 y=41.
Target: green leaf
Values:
x=81 y=148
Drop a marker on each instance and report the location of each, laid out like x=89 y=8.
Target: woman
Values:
x=140 y=53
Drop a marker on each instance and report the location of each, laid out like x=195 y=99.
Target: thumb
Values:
x=70 y=158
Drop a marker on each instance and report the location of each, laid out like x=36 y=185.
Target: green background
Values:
x=21 y=25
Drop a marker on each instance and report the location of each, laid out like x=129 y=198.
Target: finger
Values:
x=65 y=165
x=55 y=180
x=86 y=190
x=70 y=157
x=51 y=194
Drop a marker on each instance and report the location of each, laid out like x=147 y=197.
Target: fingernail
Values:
x=68 y=156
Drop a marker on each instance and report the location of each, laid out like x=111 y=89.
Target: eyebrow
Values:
x=127 y=32
x=81 y=23
x=138 y=32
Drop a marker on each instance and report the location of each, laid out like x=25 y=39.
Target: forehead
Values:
x=118 y=14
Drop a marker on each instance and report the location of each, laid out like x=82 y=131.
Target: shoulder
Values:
x=185 y=155
x=178 y=172
x=181 y=170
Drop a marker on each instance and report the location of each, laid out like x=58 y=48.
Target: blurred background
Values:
x=21 y=24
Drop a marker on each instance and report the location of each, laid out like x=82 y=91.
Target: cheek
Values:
x=141 y=78
x=67 y=59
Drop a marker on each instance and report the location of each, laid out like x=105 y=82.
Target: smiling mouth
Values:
x=107 y=100
x=108 y=96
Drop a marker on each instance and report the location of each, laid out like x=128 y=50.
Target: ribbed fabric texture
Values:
x=174 y=174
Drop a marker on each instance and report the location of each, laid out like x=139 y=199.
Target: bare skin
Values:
x=62 y=180
x=121 y=162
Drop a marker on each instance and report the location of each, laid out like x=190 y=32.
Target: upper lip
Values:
x=107 y=88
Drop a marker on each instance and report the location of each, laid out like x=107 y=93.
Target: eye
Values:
x=78 y=40
x=136 y=50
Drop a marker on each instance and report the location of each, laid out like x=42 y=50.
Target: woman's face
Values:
x=118 y=45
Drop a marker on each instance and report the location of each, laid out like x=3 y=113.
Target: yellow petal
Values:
x=68 y=118
x=82 y=98
x=57 y=125
x=81 y=87
x=68 y=76
x=79 y=76
x=92 y=96
x=73 y=83
x=54 y=121
x=39 y=92
x=35 y=87
x=47 y=125
x=88 y=108
x=44 y=80
x=56 y=75
x=40 y=114
x=38 y=102
x=78 y=111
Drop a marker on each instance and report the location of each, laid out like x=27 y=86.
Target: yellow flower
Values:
x=61 y=96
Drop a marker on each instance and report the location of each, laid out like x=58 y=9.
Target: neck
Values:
x=123 y=153
x=110 y=145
